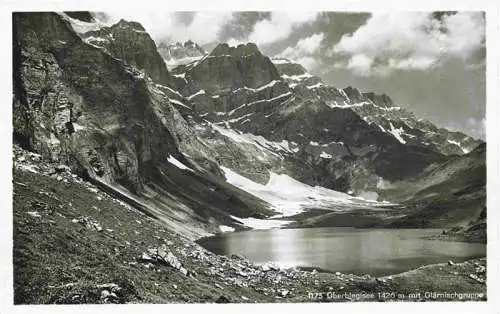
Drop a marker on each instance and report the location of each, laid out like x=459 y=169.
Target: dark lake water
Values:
x=359 y=251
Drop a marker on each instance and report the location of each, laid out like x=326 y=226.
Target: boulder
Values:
x=62 y=168
x=222 y=299
x=162 y=255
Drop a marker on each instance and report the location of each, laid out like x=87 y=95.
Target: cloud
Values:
x=306 y=51
x=310 y=45
x=309 y=63
x=241 y=25
x=476 y=127
x=472 y=126
x=279 y=26
x=263 y=28
x=410 y=41
x=201 y=27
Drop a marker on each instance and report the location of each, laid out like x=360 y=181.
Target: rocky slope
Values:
x=449 y=195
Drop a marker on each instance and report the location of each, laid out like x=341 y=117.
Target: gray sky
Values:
x=430 y=63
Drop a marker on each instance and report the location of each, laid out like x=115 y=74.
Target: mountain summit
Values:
x=176 y=54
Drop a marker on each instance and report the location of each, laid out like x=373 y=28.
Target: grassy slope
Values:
x=449 y=194
x=59 y=261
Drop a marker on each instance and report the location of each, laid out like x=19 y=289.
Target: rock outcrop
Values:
x=228 y=68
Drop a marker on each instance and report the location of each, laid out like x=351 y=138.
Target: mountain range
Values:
x=229 y=138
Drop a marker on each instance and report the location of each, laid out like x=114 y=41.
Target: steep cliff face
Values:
x=227 y=68
x=79 y=105
x=129 y=42
x=85 y=105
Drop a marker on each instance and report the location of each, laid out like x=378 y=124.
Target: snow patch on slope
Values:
x=81 y=27
x=287 y=195
x=465 y=150
x=256 y=140
x=262 y=224
x=178 y=164
x=175 y=101
x=325 y=155
x=280 y=61
x=260 y=101
x=173 y=63
x=200 y=92
x=258 y=89
x=346 y=105
x=299 y=77
x=315 y=85
x=223 y=228
x=397 y=133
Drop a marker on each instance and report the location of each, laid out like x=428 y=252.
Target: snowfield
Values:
x=288 y=196
x=81 y=27
x=173 y=63
x=397 y=132
x=264 y=145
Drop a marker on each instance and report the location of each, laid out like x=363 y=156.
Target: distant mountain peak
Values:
x=380 y=99
x=122 y=23
x=178 y=53
x=240 y=50
x=278 y=60
x=191 y=44
x=84 y=16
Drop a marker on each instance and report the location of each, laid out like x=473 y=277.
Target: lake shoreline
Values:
x=324 y=249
